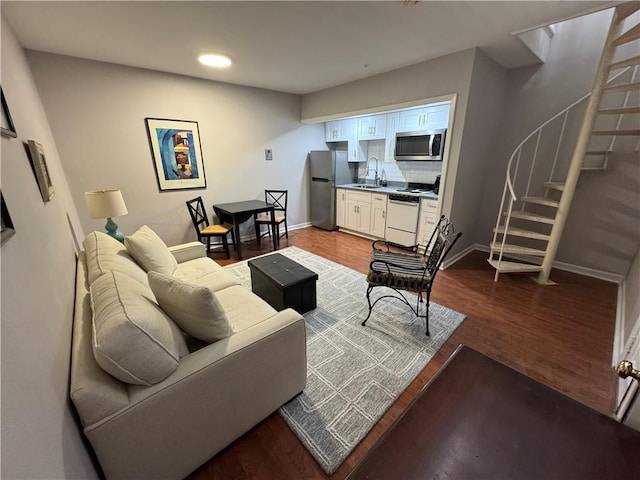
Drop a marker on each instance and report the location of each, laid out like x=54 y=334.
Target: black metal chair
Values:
x=279 y=199
x=205 y=230
x=406 y=269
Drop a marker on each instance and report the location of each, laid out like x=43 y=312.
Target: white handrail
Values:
x=581 y=99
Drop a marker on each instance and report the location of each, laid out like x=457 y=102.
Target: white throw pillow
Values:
x=195 y=309
x=132 y=339
x=106 y=254
x=151 y=253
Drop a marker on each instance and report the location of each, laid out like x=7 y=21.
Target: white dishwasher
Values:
x=402 y=218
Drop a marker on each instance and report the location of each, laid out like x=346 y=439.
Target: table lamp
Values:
x=107 y=204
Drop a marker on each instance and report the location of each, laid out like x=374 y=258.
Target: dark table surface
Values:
x=239 y=212
x=478 y=419
x=282 y=270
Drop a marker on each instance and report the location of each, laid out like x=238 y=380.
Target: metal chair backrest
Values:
x=198 y=214
x=445 y=237
x=278 y=198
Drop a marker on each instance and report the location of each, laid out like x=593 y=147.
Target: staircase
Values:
x=544 y=169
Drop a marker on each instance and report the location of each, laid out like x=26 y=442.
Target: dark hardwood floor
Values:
x=561 y=336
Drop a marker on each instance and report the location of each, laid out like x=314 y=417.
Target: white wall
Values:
x=39 y=436
x=97 y=111
x=445 y=76
x=481 y=132
x=479 y=84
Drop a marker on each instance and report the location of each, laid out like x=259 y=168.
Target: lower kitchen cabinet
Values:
x=378 y=214
x=427 y=220
x=358 y=211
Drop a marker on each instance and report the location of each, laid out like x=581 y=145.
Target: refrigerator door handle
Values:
x=320 y=179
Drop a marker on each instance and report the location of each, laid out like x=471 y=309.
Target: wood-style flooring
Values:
x=561 y=336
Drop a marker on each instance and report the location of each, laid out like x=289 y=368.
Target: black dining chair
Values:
x=205 y=230
x=405 y=269
x=279 y=199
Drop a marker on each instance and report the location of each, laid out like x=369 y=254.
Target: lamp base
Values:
x=112 y=229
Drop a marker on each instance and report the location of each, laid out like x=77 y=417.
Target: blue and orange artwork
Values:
x=177 y=150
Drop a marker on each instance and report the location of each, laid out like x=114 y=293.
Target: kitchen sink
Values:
x=366 y=187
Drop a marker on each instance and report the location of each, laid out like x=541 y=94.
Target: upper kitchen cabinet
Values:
x=341 y=130
x=423 y=118
x=373 y=127
x=392 y=129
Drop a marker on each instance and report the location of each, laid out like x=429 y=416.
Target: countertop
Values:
x=386 y=190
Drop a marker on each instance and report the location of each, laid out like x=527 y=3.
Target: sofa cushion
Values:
x=151 y=253
x=133 y=339
x=243 y=308
x=195 y=309
x=106 y=254
x=204 y=272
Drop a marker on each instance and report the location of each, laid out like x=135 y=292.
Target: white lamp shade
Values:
x=105 y=204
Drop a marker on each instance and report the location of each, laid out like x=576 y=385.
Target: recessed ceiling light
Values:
x=214 y=60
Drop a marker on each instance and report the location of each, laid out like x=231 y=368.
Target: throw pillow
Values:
x=105 y=254
x=132 y=338
x=151 y=253
x=195 y=309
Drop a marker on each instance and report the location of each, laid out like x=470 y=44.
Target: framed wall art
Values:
x=7 y=129
x=39 y=163
x=177 y=154
x=7 y=224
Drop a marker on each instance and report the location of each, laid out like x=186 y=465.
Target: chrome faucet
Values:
x=376 y=179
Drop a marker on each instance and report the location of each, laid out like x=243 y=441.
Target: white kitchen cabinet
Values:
x=411 y=119
x=427 y=219
x=423 y=118
x=358 y=211
x=355 y=153
x=378 y=214
x=373 y=127
x=341 y=130
x=341 y=205
x=392 y=129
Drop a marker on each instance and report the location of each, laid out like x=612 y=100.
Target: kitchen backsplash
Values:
x=423 y=172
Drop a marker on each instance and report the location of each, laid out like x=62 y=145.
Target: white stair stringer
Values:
x=560 y=187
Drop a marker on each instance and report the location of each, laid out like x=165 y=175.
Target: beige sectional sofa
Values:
x=154 y=401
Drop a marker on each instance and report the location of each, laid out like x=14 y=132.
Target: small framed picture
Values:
x=7 y=129
x=7 y=224
x=177 y=154
x=39 y=163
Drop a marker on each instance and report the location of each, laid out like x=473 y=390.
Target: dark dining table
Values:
x=237 y=213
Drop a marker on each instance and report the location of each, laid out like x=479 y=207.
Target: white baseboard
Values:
x=451 y=260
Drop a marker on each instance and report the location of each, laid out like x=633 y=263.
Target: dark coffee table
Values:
x=283 y=283
x=478 y=419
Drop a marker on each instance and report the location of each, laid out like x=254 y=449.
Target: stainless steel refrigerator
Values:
x=328 y=169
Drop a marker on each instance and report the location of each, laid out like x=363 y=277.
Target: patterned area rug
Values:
x=354 y=373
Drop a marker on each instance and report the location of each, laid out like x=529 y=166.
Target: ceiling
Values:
x=291 y=46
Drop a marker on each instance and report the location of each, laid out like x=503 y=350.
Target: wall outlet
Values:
x=268 y=154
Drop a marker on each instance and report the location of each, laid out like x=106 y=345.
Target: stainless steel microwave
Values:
x=420 y=145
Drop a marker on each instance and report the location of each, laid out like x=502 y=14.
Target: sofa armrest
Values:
x=188 y=251
x=217 y=394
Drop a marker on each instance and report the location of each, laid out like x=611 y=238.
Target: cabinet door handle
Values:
x=383 y=214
